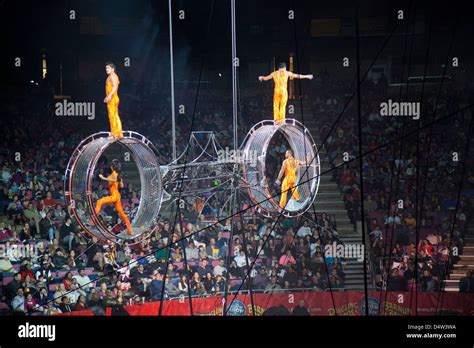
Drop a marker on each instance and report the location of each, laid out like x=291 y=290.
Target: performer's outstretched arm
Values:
x=282 y=171
x=266 y=78
x=300 y=76
x=110 y=178
x=307 y=162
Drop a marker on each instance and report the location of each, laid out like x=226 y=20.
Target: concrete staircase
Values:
x=465 y=263
x=329 y=200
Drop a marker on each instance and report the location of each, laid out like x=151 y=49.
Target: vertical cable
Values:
x=361 y=162
x=234 y=74
x=183 y=238
x=173 y=116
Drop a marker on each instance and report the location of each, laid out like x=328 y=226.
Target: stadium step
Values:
x=329 y=200
x=351 y=238
x=457 y=276
x=354 y=276
x=354 y=281
x=465 y=263
x=462 y=266
x=325 y=178
x=329 y=195
x=355 y=270
x=466 y=260
x=327 y=186
x=358 y=287
x=329 y=205
x=451 y=281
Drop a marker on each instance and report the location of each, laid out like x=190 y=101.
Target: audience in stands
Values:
x=67 y=272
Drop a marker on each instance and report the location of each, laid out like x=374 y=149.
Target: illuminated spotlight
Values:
x=220 y=74
x=32 y=81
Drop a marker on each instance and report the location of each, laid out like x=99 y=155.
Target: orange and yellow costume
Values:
x=280 y=95
x=289 y=182
x=112 y=110
x=115 y=199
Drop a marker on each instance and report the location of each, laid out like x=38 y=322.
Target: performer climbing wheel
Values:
x=79 y=184
x=303 y=148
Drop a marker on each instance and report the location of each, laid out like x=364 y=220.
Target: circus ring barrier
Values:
x=79 y=178
x=308 y=178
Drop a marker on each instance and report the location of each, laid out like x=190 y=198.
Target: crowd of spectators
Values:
x=67 y=270
x=410 y=248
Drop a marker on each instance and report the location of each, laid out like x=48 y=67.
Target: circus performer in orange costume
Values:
x=288 y=168
x=114 y=198
x=280 y=93
x=112 y=100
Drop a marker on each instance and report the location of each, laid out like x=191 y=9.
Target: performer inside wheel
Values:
x=280 y=94
x=114 y=197
x=289 y=167
x=112 y=99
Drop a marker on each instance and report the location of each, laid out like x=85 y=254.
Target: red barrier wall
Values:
x=321 y=303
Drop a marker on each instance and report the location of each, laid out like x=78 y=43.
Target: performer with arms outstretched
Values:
x=280 y=94
x=114 y=197
x=288 y=168
x=112 y=100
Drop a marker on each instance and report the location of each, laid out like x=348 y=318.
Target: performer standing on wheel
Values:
x=114 y=198
x=289 y=167
x=280 y=94
x=112 y=100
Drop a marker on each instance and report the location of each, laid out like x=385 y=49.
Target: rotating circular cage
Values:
x=80 y=174
x=301 y=142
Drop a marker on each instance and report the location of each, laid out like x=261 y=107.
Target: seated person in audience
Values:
x=396 y=282
x=5 y=264
x=156 y=287
x=425 y=246
x=52 y=309
x=64 y=306
x=410 y=221
x=213 y=250
x=434 y=238
x=427 y=282
x=30 y=303
x=81 y=304
x=83 y=280
x=203 y=268
x=220 y=269
x=192 y=253
x=183 y=285
x=18 y=302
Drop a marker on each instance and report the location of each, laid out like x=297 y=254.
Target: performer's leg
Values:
x=284 y=99
x=118 y=127
x=101 y=202
x=296 y=195
x=110 y=113
x=276 y=106
x=119 y=133
x=284 y=193
x=114 y=119
x=292 y=189
x=123 y=216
